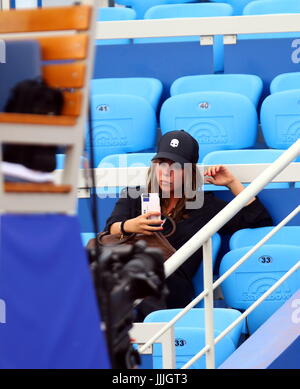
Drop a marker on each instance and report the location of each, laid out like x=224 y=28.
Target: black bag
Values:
x=33 y=97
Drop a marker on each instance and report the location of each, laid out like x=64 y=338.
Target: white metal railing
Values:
x=112 y=177
x=5 y=4
x=140 y=333
x=210 y=363
x=205 y=294
x=202 y=26
x=205 y=27
x=203 y=237
x=218 y=282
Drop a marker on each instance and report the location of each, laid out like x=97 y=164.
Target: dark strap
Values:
x=125 y=238
x=173 y=224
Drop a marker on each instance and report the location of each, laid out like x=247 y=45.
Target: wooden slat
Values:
x=64 y=47
x=45 y=19
x=28 y=187
x=24 y=118
x=65 y=75
x=72 y=104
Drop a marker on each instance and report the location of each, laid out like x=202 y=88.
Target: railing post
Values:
x=209 y=304
x=5 y=4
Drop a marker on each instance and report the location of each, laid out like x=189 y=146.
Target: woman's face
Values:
x=169 y=176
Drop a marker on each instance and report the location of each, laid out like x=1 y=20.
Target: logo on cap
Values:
x=174 y=143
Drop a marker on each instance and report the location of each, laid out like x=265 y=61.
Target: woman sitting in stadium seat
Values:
x=173 y=174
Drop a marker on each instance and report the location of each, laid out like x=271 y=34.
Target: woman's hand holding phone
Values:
x=143 y=224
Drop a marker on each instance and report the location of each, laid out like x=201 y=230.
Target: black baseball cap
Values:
x=178 y=146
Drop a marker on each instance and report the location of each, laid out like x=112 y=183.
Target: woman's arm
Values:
x=252 y=215
x=139 y=225
x=221 y=176
x=126 y=211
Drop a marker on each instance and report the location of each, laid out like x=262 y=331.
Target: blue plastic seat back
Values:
x=148 y=88
x=231 y=157
x=114 y=13
x=188 y=342
x=168 y=11
x=285 y=81
x=237 y=5
x=198 y=277
x=263 y=7
x=141 y=6
x=247 y=283
x=119 y=161
x=215 y=119
x=86 y=236
x=190 y=11
x=250 y=236
x=121 y=124
x=25 y=52
x=246 y=84
x=223 y=317
x=127 y=160
x=280 y=117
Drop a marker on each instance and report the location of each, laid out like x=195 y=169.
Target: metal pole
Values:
x=246 y=313
x=257 y=246
x=5 y=4
x=225 y=275
x=209 y=304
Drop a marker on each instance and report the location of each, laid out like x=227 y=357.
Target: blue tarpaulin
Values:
x=49 y=315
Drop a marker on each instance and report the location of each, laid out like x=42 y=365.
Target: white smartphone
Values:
x=150 y=203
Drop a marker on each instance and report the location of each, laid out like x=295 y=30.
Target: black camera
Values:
x=122 y=275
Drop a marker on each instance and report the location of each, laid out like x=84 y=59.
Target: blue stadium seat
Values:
x=141 y=6
x=198 y=277
x=121 y=124
x=127 y=160
x=114 y=13
x=26 y=52
x=237 y=5
x=86 y=236
x=122 y=160
x=188 y=342
x=148 y=88
x=250 y=236
x=246 y=284
x=190 y=335
x=280 y=119
x=223 y=317
x=246 y=84
x=188 y=11
x=285 y=81
x=263 y=7
x=231 y=157
x=215 y=119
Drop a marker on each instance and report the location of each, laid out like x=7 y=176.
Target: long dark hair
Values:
x=192 y=181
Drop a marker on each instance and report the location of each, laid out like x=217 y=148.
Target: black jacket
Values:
x=251 y=216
